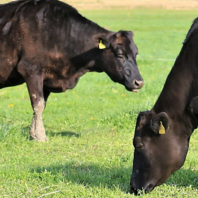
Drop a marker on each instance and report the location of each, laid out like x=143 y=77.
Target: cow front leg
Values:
x=37 y=131
x=34 y=79
x=193 y=107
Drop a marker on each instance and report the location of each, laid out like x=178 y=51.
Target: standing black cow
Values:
x=162 y=134
x=49 y=45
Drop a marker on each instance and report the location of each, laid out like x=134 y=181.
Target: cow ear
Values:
x=102 y=40
x=193 y=107
x=159 y=123
x=130 y=34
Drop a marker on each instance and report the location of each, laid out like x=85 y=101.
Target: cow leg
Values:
x=194 y=105
x=34 y=80
x=35 y=88
x=46 y=95
x=37 y=131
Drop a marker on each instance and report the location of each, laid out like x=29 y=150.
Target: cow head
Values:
x=160 y=149
x=118 y=58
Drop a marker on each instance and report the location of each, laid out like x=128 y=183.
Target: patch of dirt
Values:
x=131 y=4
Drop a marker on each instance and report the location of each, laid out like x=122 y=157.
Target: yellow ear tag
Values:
x=101 y=45
x=161 y=129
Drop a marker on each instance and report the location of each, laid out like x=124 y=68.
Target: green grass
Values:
x=90 y=128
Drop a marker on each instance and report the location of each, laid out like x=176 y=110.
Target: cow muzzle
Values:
x=137 y=190
x=137 y=84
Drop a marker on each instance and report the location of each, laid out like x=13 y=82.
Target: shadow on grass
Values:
x=64 y=133
x=89 y=175
x=184 y=178
x=96 y=175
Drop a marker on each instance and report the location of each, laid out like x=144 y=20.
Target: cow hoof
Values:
x=39 y=139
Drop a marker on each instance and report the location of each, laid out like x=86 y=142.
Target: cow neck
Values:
x=84 y=30
x=180 y=87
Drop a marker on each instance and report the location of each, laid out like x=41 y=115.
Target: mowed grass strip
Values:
x=90 y=128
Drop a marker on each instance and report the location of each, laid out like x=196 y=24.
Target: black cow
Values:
x=49 y=45
x=162 y=134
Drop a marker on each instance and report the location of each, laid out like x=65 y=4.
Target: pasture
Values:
x=90 y=128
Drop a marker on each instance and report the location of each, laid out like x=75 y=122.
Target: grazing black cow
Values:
x=48 y=45
x=162 y=134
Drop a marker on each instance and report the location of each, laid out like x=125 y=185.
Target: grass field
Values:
x=90 y=128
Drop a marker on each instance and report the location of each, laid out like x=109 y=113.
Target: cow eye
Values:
x=120 y=55
x=137 y=143
x=139 y=146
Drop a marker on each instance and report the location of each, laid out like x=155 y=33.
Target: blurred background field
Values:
x=90 y=128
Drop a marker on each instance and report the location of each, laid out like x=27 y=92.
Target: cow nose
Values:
x=134 y=191
x=133 y=188
x=138 y=84
x=144 y=189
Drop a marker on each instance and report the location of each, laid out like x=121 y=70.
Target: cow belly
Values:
x=11 y=79
x=9 y=75
x=62 y=85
